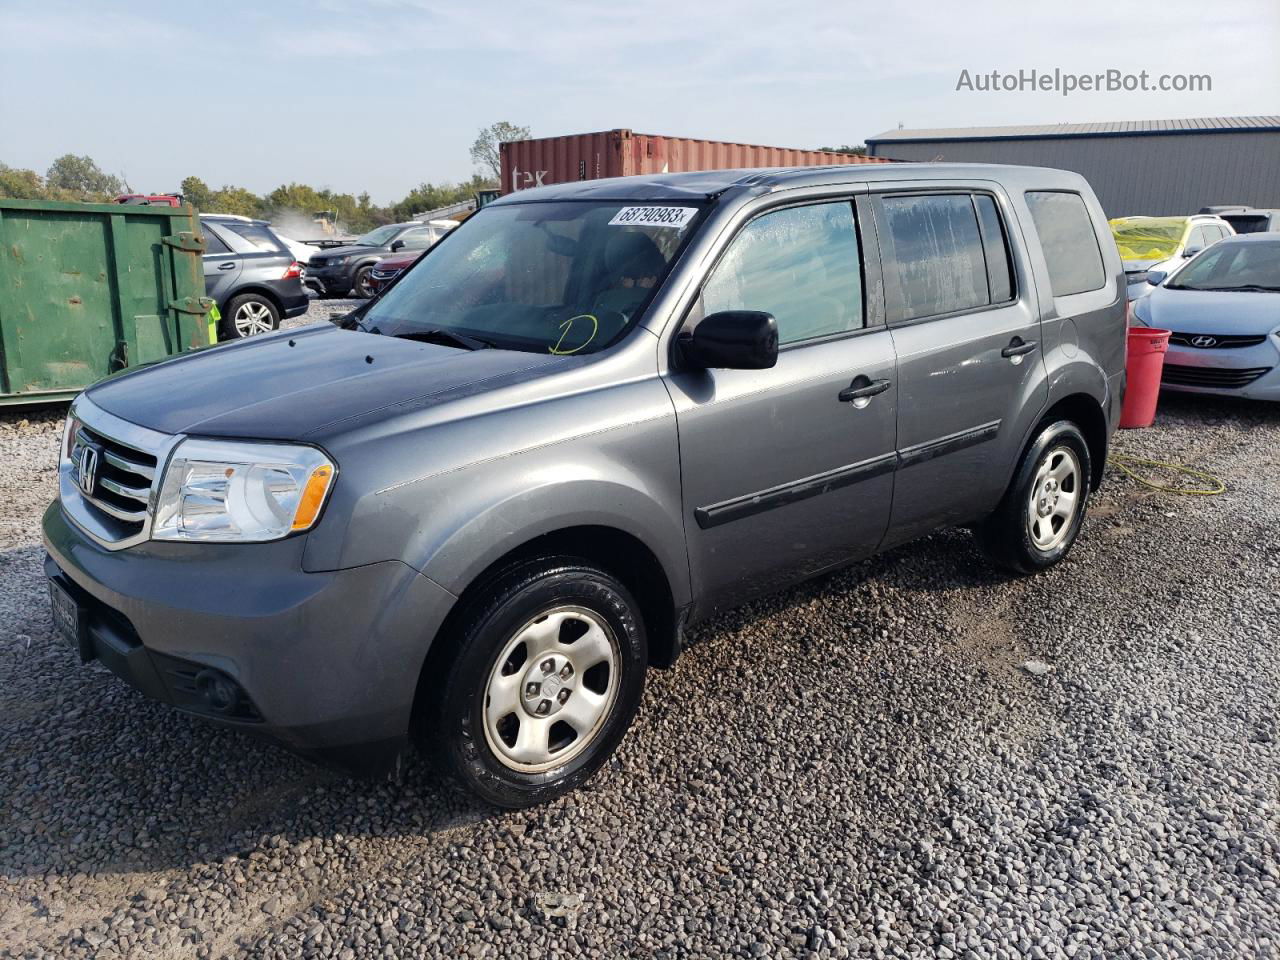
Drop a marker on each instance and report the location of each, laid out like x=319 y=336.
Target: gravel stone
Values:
x=862 y=766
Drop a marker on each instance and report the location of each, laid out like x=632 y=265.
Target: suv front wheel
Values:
x=361 y=285
x=539 y=684
x=1040 y=516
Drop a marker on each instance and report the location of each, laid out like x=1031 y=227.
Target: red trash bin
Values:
x=1147 y=347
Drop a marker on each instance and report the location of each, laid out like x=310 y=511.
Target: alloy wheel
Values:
x=252 y=318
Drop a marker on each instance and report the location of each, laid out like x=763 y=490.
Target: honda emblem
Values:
x=87 y=469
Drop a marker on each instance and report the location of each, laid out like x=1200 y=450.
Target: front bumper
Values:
x=333 y=281
x=328 y=663
x=1218 y=371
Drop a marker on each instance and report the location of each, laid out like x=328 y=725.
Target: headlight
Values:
x=243 y=492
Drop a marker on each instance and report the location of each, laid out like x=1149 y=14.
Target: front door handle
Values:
x=860 y=392
x=229 y=265
x=1017 y=348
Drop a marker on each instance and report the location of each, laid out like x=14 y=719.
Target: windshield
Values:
x=565 y=277
x=380 y=236
x=1153 y=239
x=1232 y=266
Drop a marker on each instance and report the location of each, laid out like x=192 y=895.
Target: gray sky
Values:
x=384 y=94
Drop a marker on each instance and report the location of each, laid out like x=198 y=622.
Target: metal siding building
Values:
x=1153 y=167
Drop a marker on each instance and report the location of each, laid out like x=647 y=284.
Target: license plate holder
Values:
x=69 y=620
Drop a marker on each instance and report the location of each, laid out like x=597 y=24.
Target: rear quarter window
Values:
x=258 y=236
x=1067 y=238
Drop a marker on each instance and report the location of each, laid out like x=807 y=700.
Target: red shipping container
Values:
x=622 y=153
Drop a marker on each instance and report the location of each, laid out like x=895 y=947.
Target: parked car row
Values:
x=346 y=271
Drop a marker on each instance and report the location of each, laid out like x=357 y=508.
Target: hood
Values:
x=289 y=385
x=1207 y=311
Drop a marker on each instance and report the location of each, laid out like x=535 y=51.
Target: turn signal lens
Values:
x=313 y=495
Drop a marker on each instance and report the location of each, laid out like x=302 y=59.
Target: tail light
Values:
x=295 y=270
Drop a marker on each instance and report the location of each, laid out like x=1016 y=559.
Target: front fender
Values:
x=492 y=523
x=607 y=459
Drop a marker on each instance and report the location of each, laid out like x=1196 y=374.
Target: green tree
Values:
x=484 y=152
x=235 y=200
x=859 y=151
x=81 y=177
x=21 y=184
x=196 y=192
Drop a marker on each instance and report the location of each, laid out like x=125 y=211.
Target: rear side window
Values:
x=937 y=254
x=800 y=264
x=258 y=236
x=212 y=242
x=1070 y=246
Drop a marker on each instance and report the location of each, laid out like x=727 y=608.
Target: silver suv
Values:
x=474 y=512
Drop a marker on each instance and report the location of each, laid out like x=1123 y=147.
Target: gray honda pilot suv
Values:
x=473 y=512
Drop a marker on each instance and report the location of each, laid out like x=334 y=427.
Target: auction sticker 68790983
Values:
x=675 y=217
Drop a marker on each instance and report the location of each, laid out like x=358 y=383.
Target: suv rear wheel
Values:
x=1040 y=516
x=540 y=685
x=249 y=315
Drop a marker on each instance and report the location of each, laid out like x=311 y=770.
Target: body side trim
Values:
x=931 y=449
x=754 y=503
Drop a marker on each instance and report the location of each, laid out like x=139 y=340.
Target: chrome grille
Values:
x=1215 y=341
x=106 y=480
x=120 y=484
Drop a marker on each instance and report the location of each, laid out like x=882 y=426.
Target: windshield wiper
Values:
x=446 y=337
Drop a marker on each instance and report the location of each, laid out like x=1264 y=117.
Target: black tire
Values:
x=261 y=306
x=1007 y=537
x=360 y=283
x=454 y=700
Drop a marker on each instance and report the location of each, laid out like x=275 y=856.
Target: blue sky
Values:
x=384 y=94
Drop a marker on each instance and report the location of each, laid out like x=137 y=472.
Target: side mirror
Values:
x=397 y=245
x=732 y=340
x=1157 y=277
x=1191 y=252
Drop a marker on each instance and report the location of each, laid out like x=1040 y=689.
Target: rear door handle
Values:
x=860 y=392
x=1018 y=347
x=229 y=265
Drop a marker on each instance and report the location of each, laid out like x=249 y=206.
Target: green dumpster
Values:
x=87 y=289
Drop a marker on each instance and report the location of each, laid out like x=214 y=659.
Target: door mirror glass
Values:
x=1191 y=252
x=1156 y=277
x=732 y=340
x=397 y=245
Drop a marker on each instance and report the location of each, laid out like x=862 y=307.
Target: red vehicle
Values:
x=386 y=271
x=150 y=199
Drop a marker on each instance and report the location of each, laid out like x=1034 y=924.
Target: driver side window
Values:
x=800 y=264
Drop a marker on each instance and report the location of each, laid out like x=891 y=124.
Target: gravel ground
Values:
x=913 y=757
